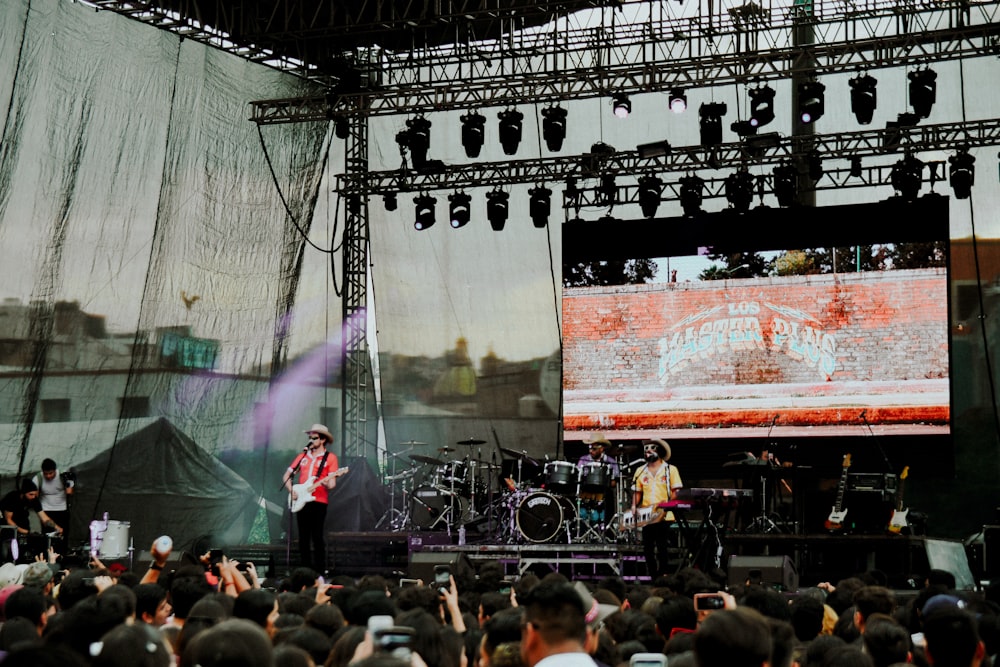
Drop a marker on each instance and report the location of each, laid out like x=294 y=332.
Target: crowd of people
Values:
x=216 y=612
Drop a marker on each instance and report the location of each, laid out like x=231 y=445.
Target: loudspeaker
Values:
x=991 y=552
x=422 y=565
x=775 y=571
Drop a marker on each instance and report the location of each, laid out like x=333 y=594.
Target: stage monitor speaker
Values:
x=951 y=557
x=422 y=565
x=775 y=571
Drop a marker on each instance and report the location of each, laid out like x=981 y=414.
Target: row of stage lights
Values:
x=811 y=107
x=906 y=177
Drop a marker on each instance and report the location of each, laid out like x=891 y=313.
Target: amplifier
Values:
x=884 y=482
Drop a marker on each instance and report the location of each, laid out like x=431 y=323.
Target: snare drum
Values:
x=595 y=478
x=453 y=475
x=560 y=476
x=540 y=515
x=114 y=542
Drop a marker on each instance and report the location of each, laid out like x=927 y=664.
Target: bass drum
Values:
x=540 y=515
x=432 y=508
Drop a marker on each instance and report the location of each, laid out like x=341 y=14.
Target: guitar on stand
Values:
x=835 y=522
x=898 y=520
x=304 y=492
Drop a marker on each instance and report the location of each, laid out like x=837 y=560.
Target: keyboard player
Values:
x=656 y=482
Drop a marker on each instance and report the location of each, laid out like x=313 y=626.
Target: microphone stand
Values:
x=284 y=480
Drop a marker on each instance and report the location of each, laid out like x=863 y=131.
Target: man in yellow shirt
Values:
x=656 y=482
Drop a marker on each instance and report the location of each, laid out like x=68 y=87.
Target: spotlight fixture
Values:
x=621 y=105
x=540 y=205
x=554 y=127
x=814 y=161
x=962 y=173
x=678 y=100
x=744 y=128
x=811 y=101
x=761 y=106
x=510 y=130
x=419 y=140
x=424 y=212
x=906 y=177
x=459 y=209
x=692 y=194
x=923 y=91
x=739 y=190
x=650 y=191
x=389 y=200
x=342 y=127
x=864 y=97
x=710 y=122
x=497 y=208
x=473 y=133
x=608 y=189
x=785 y=184
x=653 y=149
x=856 y=166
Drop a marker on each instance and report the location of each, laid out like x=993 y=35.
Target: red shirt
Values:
x=311 y=470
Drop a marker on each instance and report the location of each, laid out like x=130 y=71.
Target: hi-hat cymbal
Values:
x=430 y=460
x=518 y=455
x=413 y=443
x=471 y=441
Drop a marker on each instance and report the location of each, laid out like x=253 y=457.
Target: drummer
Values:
x=596 y=456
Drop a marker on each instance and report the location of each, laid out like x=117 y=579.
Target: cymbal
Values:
x=406 y=474
x=471 y=441
x=518 y=455
x=413 y=443
x=430 y=460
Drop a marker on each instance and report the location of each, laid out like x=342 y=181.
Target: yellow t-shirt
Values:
x=657 y=486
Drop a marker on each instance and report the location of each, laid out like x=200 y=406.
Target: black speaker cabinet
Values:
x=422 y=565
x=775 y=571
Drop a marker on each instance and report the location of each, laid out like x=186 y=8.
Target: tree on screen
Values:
x=613 y=272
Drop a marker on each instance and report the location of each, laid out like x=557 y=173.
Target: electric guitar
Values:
x=898 y=520
x=837 y=515
x=304 y=491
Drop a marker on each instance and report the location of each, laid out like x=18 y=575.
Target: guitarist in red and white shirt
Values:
x=316 y=471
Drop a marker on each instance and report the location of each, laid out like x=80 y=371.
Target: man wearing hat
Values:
x=654 y=483
x=308 y=480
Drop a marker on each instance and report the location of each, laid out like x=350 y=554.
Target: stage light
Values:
x=653 y=149
x=608 y=189
x=540 y=205
x=811 y=101
x=510 y=130
x=761 y=106
x=743 y=128
x=473 y=133
x=424 y=212
x=907 y=177
x=497 y=209
x=459 y=209
x=814 y=162
x=621 y=105
x=739 y=190
x=923 y=91
x=342 y=127
x=419 y=140
x=678 y=100
x=692 y=194
x=962 y=173
x=785 y=184
x=650 y=191
x=554 y=127
x=864 y=97
x=710 y=122
x=856 y=167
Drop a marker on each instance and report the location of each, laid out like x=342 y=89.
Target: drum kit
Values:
x=519 y=500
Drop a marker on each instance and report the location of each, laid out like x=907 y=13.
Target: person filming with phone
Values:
x=653 y=483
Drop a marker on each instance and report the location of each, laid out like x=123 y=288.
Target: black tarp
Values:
x=162 y=483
